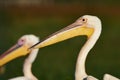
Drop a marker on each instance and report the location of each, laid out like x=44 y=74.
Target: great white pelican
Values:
x=25 y=41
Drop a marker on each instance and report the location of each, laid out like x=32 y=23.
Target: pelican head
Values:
x=85 y=25
x=89 y=21
x=19 y=49
x=28 y=40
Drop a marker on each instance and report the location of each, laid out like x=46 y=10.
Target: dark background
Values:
x=44 y=17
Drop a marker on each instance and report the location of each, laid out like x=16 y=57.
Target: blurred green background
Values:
x=44 y=17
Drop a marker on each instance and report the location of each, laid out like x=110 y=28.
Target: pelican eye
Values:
x=84 y=19
x=21 y=42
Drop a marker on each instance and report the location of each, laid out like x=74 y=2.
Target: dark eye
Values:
x=21 y=42
x=84 y=20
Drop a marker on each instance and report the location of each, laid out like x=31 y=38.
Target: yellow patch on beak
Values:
x=65 y=34
x=23 y=50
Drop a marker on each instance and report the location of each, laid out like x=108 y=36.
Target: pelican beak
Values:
x=65 y=33
x=14 y=52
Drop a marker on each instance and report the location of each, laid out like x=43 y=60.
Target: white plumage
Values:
x=28 y=40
